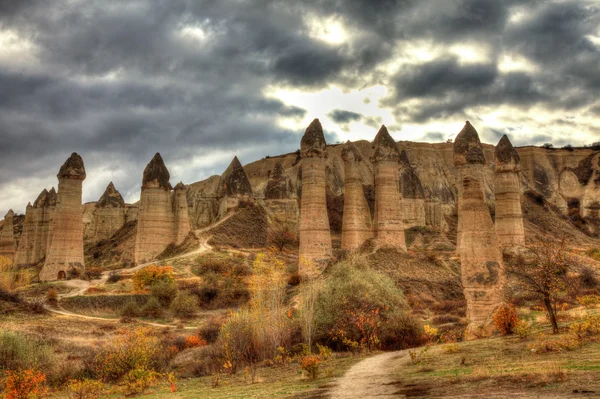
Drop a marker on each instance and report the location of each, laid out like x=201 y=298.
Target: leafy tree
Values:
x=543 y=273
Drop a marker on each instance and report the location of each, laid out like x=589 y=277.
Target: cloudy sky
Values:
x=202 y=81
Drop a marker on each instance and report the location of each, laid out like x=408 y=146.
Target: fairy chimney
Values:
x=279 y=185
x=315 y=235
x=181 y=215
x=7 y=237
x=388 y=221
x=509 y=215
x=36 y=226
x=356 y=222
x=482 y=270
x=65 y=252
x=234 y=181
x=155 y=216
x=25 y=248
x=109 y=215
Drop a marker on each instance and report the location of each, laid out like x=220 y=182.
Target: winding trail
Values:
x=80 y=286
x=372 y=377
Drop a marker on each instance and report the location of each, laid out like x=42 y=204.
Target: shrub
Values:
x=310 y=364
x=152 y=308
x=589 y=301
x=138 y=380
x=355 y=305
x=324 y=352
x=165 y=292
x=18 y=351
x=210 y=330
x=451 y=348
x=86 y=389
x=523 y=329
x=152 y=275
x=93 y=273
x=184 y=305
x=589 y=325
x=194 y=341
x=131 y=349
x=506 y=319
x=236 y=341
x=114 y=278
x=52 y=297
x=131 y=309
x=400 y=331
x=588 y=277
x=25 y=384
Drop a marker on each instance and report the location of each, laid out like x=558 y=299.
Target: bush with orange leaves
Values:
x=310 y=364
x=25 y=384
x=506 y=318
x=132 y=349
x=152 y=275
x=194 y=341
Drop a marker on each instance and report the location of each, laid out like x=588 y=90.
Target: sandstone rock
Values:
x=155 y=227
x=7 y=237
x=357 y=226
x=389 y=221
x=108 y=216
x=482 y=270
x=509 y=215
x=413 y=195
x=279 y=185
x=234 y=181
x=36 y=228
x=181 y=215
x=25 y=247
x=315 y=235
x=65 y=252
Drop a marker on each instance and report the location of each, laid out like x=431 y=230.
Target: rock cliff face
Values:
x=389 y=209
x=155 y=227
x=357 y=226
x=315 y=235
x=509 y=215
x=36 y=228
x=65 y=251
x=7 y=237
x=482 y=270
x=413 y=196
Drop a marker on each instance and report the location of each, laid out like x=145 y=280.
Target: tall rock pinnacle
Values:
x=388 y=222
x=509 y=215
x=315 y=234
x=7 y=237
x=156 y=174
x=234 y=181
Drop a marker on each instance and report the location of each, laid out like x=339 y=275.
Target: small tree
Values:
x=281 y=237
x=309 y=293
x=543 y=273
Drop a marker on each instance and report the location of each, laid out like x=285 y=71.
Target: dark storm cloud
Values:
x=118 y=81
x=342 y=116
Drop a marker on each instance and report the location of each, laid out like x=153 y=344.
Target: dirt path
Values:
x=372 y=377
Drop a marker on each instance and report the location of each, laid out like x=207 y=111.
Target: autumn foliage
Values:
x=152 y=275
x=506 y=319
x=25 y=384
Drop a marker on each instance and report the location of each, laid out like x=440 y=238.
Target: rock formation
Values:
x=388 y=221
x=7 y=237
x=181 y=215
x=109 y=215
x=509 y=215
x=356 y=223
x=315 y=235
x=279 y=185
x=482 y=270
x=413 y=196
x=65 y=252
x=155 y=216
x=36 y=228
x=234 y=181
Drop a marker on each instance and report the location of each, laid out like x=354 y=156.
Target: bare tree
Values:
x=282 y=236
x=543 y=273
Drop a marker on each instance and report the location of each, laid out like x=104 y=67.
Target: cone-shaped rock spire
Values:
x=467 y=147
x=507 y=158
x=315 y=235
x=389 y=221
x=234 y=181
x=52 y=197
x=179 y=186
x=509 y=215
x=313 y=142
x=41 y=199
x=385 y=146
x=111 y=198
x=156 y=174
x=65 y=251
x=73 y=168
x=356 y=222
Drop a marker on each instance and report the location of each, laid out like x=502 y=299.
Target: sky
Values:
x=202 y=81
